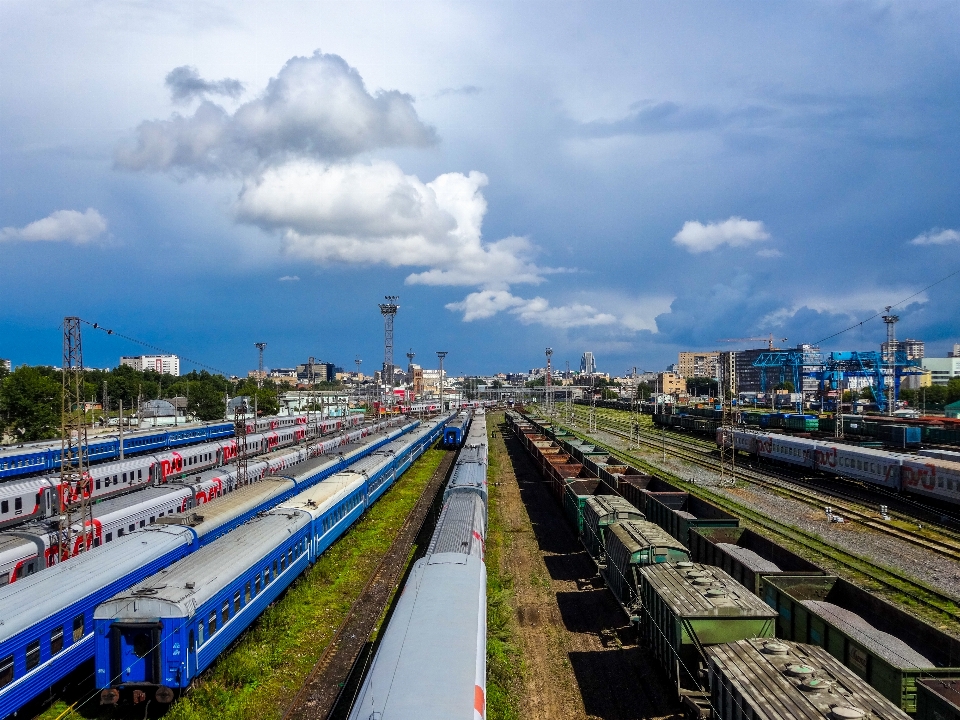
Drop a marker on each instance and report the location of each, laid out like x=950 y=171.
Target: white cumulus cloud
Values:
x=60 y=226
x=487 y=303
x=936 y=236
x=734 y=231
x=289 y=278
x=373 y=213
x=315 y=107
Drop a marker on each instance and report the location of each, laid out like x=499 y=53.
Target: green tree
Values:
x=866 y=393
x=30 y=402
x=953 y=390
x=205 y=401
x=644 y=390
x=785 y=385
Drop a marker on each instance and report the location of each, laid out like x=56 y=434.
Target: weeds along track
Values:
x=924 y=600
x=935 y=538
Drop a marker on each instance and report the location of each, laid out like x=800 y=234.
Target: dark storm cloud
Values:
x=186 y=84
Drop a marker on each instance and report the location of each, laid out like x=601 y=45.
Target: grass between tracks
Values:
x=262 y=672
x=504 y=660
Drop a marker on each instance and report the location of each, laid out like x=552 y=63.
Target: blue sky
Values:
x=628 y=178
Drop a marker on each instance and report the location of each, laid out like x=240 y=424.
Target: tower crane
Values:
x=769 y=340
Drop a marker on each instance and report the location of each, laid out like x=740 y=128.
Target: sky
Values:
x=630 y=178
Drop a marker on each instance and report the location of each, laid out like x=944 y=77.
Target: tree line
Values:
x=31 y=396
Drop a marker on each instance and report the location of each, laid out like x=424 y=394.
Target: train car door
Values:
x=136 y=652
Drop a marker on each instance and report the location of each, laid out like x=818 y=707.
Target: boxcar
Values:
x=746 y=555
x=599 y=512
x=772 y=680
x=890 y=651
x=633 y=544
x=688 y=606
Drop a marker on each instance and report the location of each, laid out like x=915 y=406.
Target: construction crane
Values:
x=768 y=339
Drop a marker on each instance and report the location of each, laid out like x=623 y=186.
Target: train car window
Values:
x=6 y=671
x=143 y=523
x=109 y=537
x=200 y=632
x=124 y=477
x=256 y=585
x=213 y=623
x=78 y=628
x=115 y=481
x=225 y=611
x=236 y=602
x=191 y=646
x=290 y=556
x=4 y=579
x=18 y=504
x=283 y=563
x=56 y=640
x=120 y=533
x=96 y=542
x=274 y=569
x=139 y=474
x=98 y=483
x=5 y=506
x=246 y=594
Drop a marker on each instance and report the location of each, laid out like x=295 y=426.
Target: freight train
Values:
x=34 y=546
x=154 y=638
x=925 y=474
x=744 y=627
x=47 y=629
x=431 y=660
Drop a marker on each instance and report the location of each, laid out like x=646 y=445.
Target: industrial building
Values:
x=166 y=364
x=942 y=370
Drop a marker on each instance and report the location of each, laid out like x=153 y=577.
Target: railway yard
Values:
x=624 y=570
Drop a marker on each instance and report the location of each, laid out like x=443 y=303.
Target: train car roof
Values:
x=21 y=487
x=433 y=678
x=177 y=591
x=461 y=526
x=695 y=590
x=780 y=679
x=604 y=505
x=136 y=497
x=35 y=597
x=211 y=515
x=317 y=500
x=468 y=474
x=637 y=535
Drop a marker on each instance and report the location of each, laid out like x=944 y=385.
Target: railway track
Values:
x=942 y=541
x=931 y=603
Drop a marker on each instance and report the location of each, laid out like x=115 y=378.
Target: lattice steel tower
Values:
x=546 y=383
x=261 y=346
x=891 y=357
x=75 y=482
x=389 y=312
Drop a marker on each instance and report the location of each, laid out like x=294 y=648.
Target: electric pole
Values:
x=546 y=386
x=441 y=354
x=261 y=346
x=75 y=506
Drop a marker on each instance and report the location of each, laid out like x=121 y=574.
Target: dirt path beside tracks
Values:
x=580 y=657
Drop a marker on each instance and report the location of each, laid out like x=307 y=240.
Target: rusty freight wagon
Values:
x=746 y=555
x=598 y=513
x=774 y=680
x=884 y=645
x=688 y=607
x=631 y=545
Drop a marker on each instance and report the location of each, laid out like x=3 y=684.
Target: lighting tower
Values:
x=891 y=356
x=389 y=312
x=546 y=387
x=441 y=354
x=75 y=482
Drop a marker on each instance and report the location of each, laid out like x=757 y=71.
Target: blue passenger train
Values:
x=153 y=639
x=456 y=430
x=48 y=617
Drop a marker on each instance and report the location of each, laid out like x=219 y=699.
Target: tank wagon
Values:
x=599 y=513
x=630 y=546
x=755 y=679
x=431 y=659
x=153 y=639
x=75 y=587
x=688 y=607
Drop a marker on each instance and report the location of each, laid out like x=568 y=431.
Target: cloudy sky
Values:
x=629 y=178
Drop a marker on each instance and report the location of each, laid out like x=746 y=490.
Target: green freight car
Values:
x=631 y=545
x=773 y=680
x=599 y=512
x=938 y=699
x=884 y=645
x=688 y=607
x=680 y=512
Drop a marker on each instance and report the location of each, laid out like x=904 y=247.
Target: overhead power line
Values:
x=98 y=326
x=881 y=312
